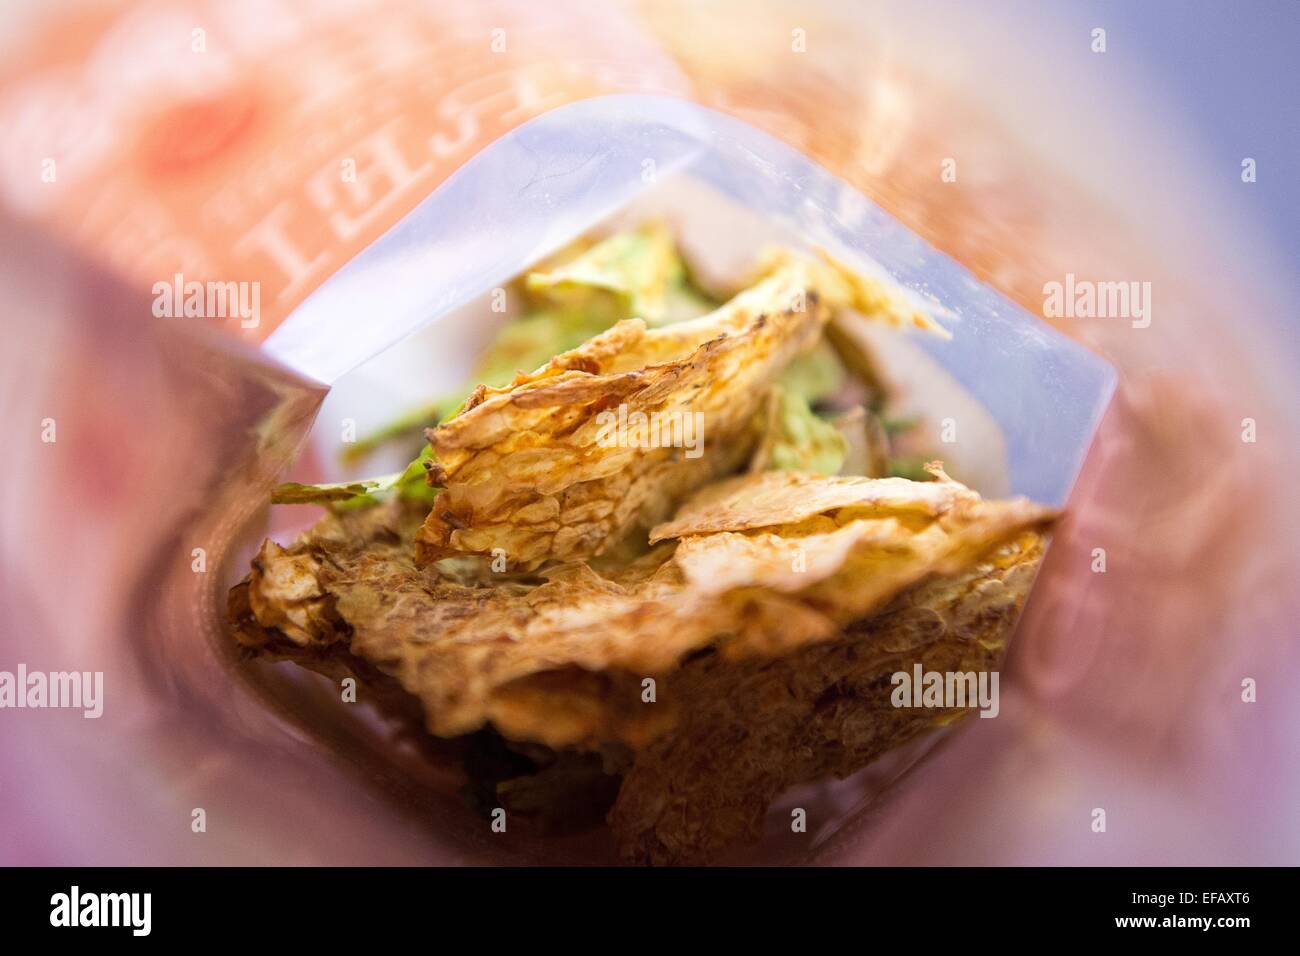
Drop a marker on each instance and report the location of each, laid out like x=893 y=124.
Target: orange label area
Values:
x=263 y=145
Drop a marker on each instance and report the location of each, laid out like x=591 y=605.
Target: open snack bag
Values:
x=644 y=493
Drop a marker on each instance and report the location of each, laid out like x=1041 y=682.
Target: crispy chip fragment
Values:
x=636 y=269
x=789 y=497
x=545 y=468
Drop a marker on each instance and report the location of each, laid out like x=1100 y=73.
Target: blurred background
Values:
x=147 y=138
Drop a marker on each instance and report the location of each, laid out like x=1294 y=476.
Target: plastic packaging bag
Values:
x=1124 y=687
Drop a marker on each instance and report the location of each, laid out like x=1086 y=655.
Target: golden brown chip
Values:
x=851 y=558
x=565 y=461
x=774 y=498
